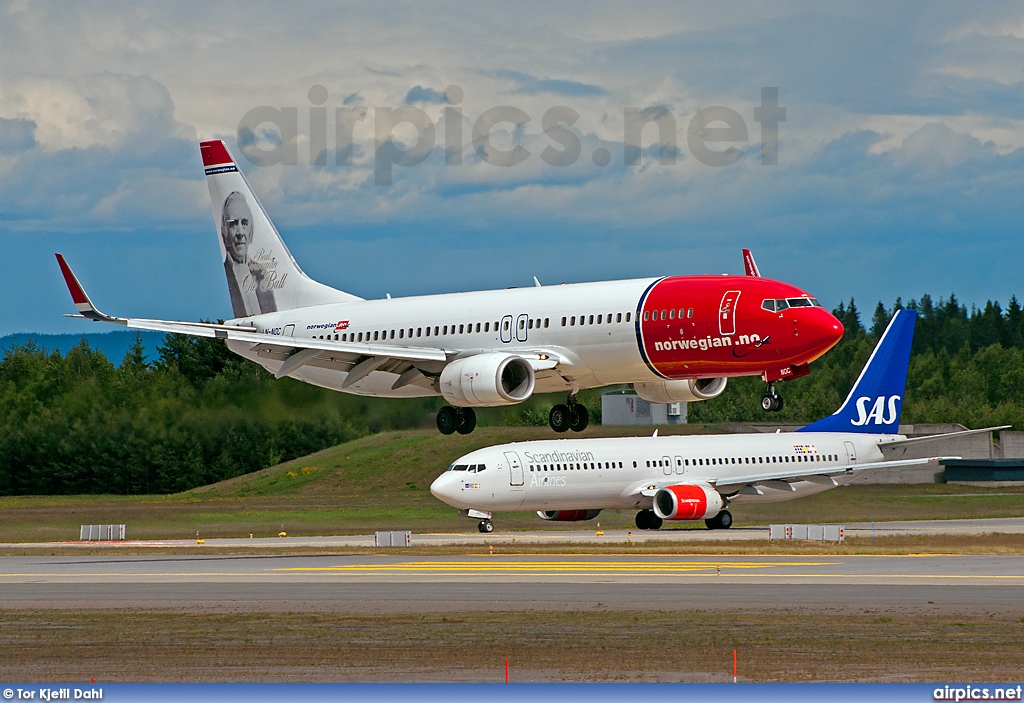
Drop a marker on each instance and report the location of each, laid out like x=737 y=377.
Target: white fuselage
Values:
x=600 y=352
x=587 y=474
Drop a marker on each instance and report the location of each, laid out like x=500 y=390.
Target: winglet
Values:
x=749 y=265
x=79 y=296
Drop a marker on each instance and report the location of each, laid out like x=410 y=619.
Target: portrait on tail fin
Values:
x=245 y=280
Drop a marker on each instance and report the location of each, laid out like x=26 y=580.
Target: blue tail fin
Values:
x=875 y=402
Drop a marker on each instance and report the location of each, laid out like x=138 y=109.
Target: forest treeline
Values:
x=78 y=423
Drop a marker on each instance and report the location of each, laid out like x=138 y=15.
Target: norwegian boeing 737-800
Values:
x=674 y=338
x=696 y=477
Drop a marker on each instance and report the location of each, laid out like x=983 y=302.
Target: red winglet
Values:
x=750 y=268
x=77 y=292
x=215 y=153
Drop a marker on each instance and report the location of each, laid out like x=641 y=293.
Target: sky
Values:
x=900 y=161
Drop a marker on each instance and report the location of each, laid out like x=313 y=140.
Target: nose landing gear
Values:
x=486 y=526
x=772 y=401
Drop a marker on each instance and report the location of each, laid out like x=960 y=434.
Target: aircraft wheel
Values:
x=447 y=420
x=656 y=522
x=486 y=526
x=467 y=420
x=560 y=418
x=643 y=519
x=768 y=403
x=579 y=418
x=722 y=521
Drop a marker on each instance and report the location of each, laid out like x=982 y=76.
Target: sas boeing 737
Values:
x=674 y=338
x=696 y=477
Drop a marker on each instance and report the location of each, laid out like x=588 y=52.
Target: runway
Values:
x=434 y=584
x=586 y=533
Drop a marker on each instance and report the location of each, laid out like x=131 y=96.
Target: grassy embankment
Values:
x=382 y=482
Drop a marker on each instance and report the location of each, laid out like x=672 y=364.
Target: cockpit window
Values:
x=768 y=305
x=480 y=467
x=459 y=467
x=799 y=302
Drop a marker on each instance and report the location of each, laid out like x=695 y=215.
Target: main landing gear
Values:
x=772 y=401
x=647 y=520
x=722 y=521
x=461 y=420
x=486 y=526
x=571 y=416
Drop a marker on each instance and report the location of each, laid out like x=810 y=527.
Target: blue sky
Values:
x=900 y=169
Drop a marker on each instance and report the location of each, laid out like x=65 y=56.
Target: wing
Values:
x=733 y=485
x=899 y=447
x=832 y=476
x=358 y=359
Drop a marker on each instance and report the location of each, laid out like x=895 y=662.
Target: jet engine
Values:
x=568 y=515
x=687 y=502
x=684 y=391
x=487 y=380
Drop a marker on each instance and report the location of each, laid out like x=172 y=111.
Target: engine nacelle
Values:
x=688 y=390
x=487 y=380
x=568 y=515
x=687 y=501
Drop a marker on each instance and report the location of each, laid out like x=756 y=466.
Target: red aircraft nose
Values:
x=825 y=329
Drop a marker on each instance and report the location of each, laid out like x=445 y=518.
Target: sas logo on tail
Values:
x=877 y=415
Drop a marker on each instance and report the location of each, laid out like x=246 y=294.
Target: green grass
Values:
x=382 y=482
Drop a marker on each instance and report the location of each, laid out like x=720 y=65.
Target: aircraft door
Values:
x=515 y=469
x=506 y=329
x=851 y=452
x=521 y=328
x=679 y=468
x=666 y=466
x=727 y=312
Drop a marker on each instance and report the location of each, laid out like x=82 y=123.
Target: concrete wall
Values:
x=1011 y=445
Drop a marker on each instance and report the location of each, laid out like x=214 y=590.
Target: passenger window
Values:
x=591 y=320
x=445 y=330
x=646 y=315
x=563 y=322
x=628 y=315
x=401 y=333
x=436 y=329
x=530 y=325
x=572 y=321
x=462 y=329
x=546 y=323
x=598 y=319
x=672 y=314
x=419 y=331
x=487 y=327
x=522 y=324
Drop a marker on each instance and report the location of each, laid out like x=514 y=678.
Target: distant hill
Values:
x=113 y=345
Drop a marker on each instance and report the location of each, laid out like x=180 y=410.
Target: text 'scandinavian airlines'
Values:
x=696 y=477
x=674 y=339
